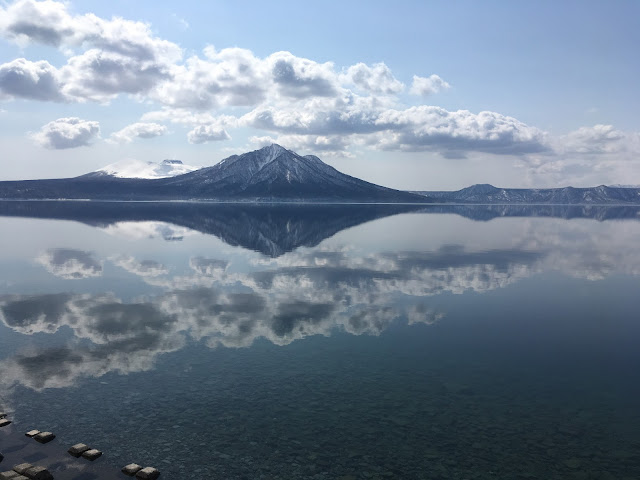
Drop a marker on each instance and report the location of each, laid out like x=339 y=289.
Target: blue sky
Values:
x=416 y=95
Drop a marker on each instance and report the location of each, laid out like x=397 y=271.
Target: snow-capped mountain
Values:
x=132 y=168
x=275 y=173
x=271 y=174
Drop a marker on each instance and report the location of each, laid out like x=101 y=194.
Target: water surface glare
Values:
x=326 y=343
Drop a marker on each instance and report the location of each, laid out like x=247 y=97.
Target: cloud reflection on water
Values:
x=303 y=293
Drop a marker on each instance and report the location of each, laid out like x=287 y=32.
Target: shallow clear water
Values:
x=297 y=343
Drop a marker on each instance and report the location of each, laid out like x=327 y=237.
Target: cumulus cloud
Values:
x=120 y=56
x=49 y=22
x=46 y=22
x=22 y=78
x=594 y=140
x=230 y=77
x=302 y=78
x=298 y=101
x=413 y=129
x=68 y=132
x=376 y=79
x=207 y=133
x=139 y=130
x=428 y=85
x=100 y=76
x=70 y=264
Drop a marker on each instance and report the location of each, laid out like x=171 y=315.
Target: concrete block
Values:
x=92 y=454
x=131 y=469
x=44 y=437
x=148 y=473
x=78 y=449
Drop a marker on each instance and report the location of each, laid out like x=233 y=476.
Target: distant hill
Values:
x=488 y=194
x=271 y=174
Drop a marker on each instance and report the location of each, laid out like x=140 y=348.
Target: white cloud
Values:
x=123 y=56
x=68 y=132
x=50 y=23
x=139 y=130
x=428 y=85
x=22 y=78
x=231 y=77
x=377 y=79
x=100 y=76
x=302 y=78
x=593 y=140
x=207 y=133
x=300 y=102
x=413 y=129
x=46 y=22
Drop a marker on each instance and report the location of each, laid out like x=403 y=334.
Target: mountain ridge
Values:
x=270 y=174
x=275 y=174
x=488 y=194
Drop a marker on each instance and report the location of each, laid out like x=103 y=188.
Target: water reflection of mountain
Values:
x=285 y=298
x=274 y=229
x=489 y=212
x=271 y=229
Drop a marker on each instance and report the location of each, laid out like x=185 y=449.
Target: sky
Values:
x=411 y=95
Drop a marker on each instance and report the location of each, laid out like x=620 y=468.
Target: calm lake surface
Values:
x=344 y=342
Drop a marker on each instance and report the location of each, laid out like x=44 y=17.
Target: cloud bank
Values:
x=316 y=106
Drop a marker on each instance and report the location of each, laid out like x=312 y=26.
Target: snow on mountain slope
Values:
x=131 y=168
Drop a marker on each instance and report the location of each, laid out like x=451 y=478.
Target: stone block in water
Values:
x=148 y=473
x=38 y=473
x=23 y=467
x=4 y=422
x=92 y=454
x=44 y=437
x=32 y=433
x=131 y=469
x=11 y=475
x=78 y=449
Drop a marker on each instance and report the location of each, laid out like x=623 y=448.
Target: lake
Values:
x=327 y=342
